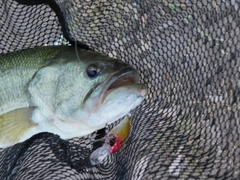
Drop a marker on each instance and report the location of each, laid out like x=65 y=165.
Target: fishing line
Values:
x=76 y=50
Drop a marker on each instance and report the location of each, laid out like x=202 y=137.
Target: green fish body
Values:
x=63 y=91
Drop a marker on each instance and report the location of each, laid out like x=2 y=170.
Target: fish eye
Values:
x=93 y=71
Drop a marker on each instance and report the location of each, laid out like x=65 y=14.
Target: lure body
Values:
x=113 y=141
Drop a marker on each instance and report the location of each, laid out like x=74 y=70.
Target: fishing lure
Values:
x=113 y=141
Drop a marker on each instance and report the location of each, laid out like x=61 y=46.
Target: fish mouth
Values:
x=124 y=77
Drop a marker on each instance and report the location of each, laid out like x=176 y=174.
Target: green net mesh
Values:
x=187 y=53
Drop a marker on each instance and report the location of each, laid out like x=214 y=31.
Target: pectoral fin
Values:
x=14 y=124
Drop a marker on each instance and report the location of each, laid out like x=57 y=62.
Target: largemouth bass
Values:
x=61 y=91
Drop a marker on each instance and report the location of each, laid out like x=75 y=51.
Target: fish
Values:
x=114 y=141
x=65 y=91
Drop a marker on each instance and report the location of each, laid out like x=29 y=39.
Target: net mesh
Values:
x=187 y=53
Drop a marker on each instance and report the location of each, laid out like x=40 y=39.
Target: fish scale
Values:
x=17 y=69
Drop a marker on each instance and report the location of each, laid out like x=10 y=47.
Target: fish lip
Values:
x=123 y=77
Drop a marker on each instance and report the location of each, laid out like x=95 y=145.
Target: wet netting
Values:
x=187 y=53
